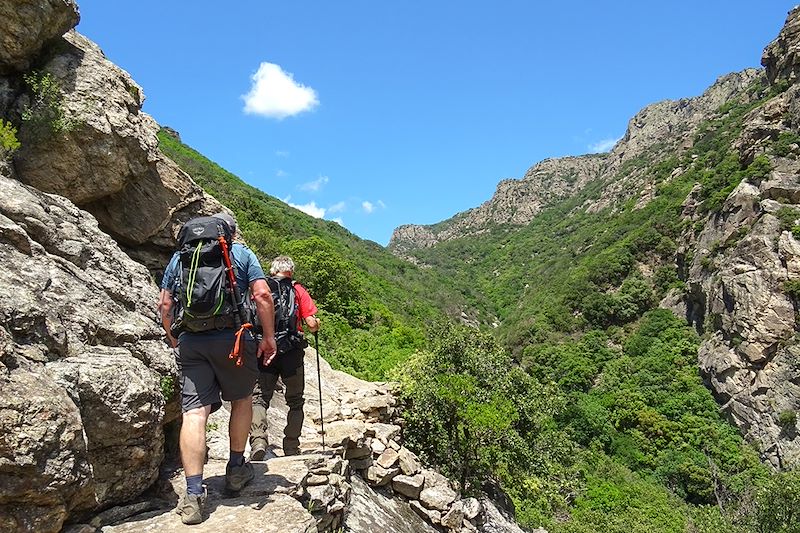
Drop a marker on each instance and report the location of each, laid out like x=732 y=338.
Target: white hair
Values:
x=282 y=263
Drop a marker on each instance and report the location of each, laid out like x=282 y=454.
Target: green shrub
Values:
x=471 y=412
x=167 y=387
x=8 y=139
x=787 y=419
x=46 y=112
x=787 y=143
x=792 y=289
x=787 y=217
x=778 y=505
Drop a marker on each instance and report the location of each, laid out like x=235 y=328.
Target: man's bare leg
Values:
x=193 y=440
x=239 y=425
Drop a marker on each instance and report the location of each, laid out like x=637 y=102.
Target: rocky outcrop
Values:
x=781 y=59
x=737 y=296
x=44 y=464
x=744 y=261
x=28 y=25
x=82 y=364
x=657 y=130
x=85 y=371
x=108 y=161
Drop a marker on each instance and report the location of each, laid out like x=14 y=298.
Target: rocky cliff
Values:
x=83 y=366
x=656 y=131
x=744 y=260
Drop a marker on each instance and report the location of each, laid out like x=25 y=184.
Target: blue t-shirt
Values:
x=248 y=269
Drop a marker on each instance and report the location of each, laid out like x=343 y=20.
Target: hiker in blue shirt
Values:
x=205 y=350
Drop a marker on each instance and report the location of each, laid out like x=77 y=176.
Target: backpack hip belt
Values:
x=199 y=325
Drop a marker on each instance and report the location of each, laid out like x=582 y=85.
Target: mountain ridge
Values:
x=517 y=201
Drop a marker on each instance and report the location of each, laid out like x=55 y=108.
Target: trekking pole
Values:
x=237 y=300
x=319 y=385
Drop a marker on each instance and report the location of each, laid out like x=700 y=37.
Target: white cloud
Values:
x=314 y=186
x=310 y=208
x=282 y=153
x=337 y=207
x=603 y=146
x=281 y=173
x=380 y=203
x=275 y=94
x=338 y=221
x=367 y=206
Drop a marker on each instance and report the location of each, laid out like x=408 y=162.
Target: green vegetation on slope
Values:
x=575 y=293
x=374 y=305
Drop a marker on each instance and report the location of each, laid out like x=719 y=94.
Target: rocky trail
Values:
x=364 y=480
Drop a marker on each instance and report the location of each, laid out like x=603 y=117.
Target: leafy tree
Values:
x=778 y=505
x=332 y=280
x=470 y=411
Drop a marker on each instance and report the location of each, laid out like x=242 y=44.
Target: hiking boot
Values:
x=258 y=450
x=191 y=508
x=237 y=477
x=291 y=451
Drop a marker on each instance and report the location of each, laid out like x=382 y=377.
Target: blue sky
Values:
x=382 y=113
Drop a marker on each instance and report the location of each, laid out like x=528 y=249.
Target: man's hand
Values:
x=267 y=349
x=312 y=322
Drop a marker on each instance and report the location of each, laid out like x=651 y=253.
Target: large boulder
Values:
x=108 y=161
x=82 y=365
x=44 y=468
x=27 y=25
x=122 y=407
x=110 y=142
x=373 y=511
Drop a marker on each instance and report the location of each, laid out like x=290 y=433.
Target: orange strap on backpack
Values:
x=237 y=343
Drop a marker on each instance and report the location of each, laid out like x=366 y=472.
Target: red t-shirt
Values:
x=305 y=305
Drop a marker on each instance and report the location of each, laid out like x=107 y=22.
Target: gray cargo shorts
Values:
x=206 y=372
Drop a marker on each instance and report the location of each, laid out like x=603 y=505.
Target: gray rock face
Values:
x=109 y=163
x=109 y=146
x=122 y=408
x=781 y=57
x=736 y=293
x=373 y=512
x=82 y=337
x=26 y=25
x=44 y=466
x=494 y=521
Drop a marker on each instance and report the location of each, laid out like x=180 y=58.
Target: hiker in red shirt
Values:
x=294 y=308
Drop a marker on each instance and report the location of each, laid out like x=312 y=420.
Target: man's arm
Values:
x=165 y=309
x=307 y=308
x=266 y=315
